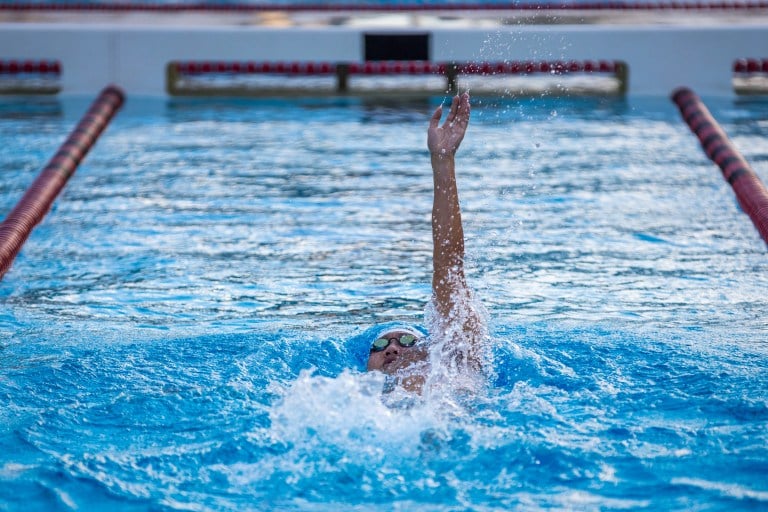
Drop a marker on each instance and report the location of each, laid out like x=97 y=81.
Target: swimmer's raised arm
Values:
x=447 y=229
x=456 y=322
x=452 y=296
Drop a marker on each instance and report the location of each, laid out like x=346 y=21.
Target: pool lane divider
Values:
x=39 y=197
x=178 y=73
x=750 y=191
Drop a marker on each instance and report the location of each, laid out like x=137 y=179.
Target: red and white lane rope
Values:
x=39 y=197
x=750 y=191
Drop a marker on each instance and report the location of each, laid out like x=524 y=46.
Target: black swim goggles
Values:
x=405 y=340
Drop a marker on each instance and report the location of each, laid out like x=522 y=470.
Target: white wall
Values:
x=660 y=58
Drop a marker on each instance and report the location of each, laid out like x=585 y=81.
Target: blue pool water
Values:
x=186 y=330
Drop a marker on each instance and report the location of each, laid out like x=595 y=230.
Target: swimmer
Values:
x=456 y=322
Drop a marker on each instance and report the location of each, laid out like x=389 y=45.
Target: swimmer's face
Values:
x=394 y=351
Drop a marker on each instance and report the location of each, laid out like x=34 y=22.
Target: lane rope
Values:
x=37 y=200
x=750 y=191
x=398 y=67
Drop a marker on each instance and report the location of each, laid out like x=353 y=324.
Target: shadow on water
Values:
x=394 y=110
x=384 y=110
x=402 y=111
x=30 y=108
x=543 y=106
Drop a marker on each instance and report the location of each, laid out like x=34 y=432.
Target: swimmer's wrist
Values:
x=443 y=155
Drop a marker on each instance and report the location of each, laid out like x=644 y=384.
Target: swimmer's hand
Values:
x=444 y=140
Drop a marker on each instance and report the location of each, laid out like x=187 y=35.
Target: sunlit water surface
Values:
x=187 y=329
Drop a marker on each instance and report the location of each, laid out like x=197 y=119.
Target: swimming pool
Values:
x=186 y=329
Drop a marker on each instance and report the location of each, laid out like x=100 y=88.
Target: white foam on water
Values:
x=723 y=488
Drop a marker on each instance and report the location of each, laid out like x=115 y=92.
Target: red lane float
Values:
x=293 y=68
x=41 y=67
x=750 y=191
x=37 y=200
x=750 y=66
x=530 y=67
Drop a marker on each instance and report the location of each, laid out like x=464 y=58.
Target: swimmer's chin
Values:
x=410 y=382
x=409 y=376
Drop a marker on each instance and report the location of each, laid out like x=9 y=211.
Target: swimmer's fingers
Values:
x=463 y=115
x=434 y=122
x=459 y=111
x=452 y=114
